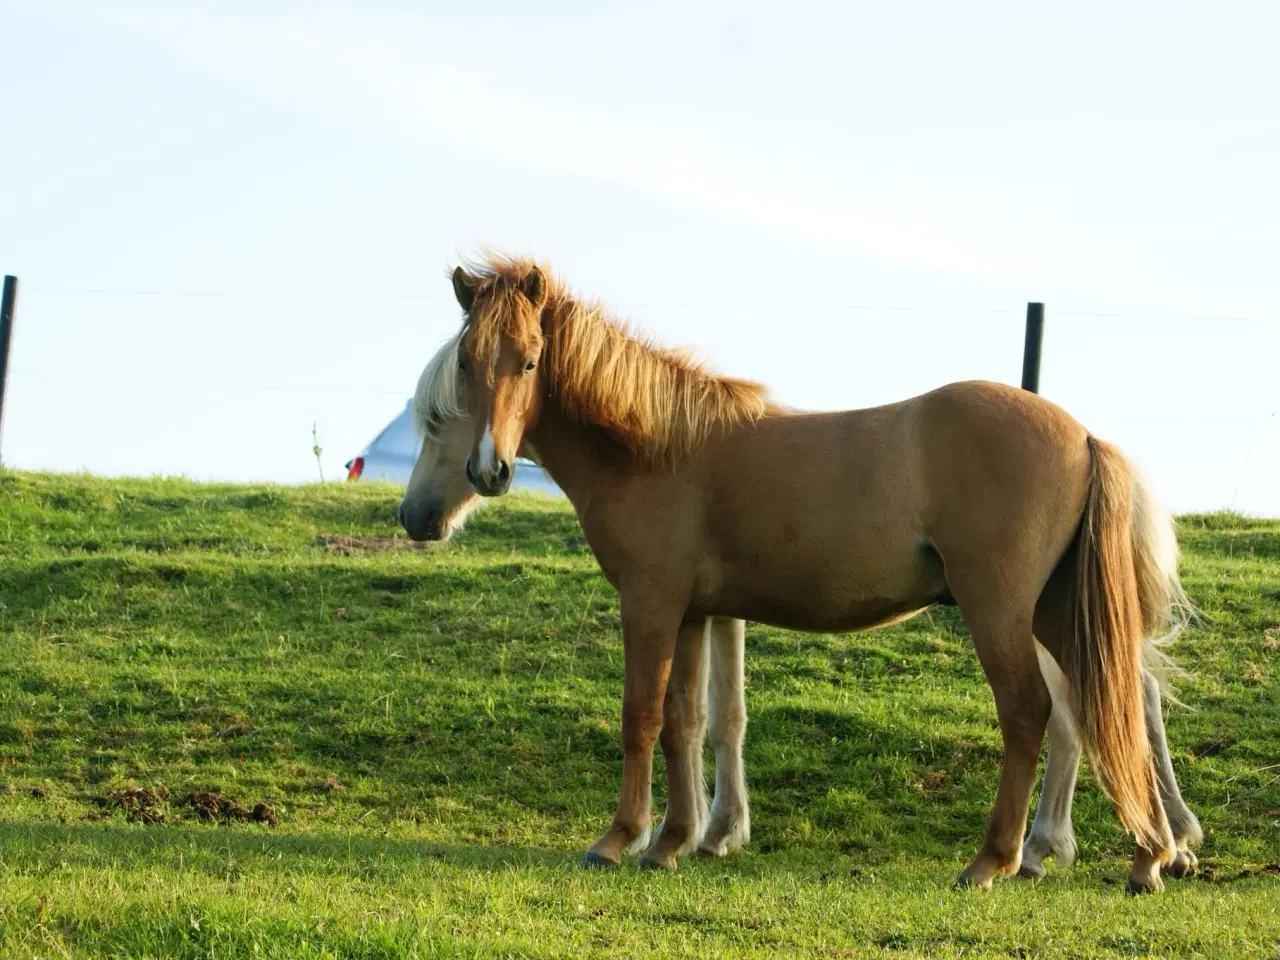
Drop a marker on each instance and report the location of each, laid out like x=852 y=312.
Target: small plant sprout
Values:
x=316 y=449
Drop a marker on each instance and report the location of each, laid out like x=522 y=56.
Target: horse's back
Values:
x=857 y=511
x=815 y=520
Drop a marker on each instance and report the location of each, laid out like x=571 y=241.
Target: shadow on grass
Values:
x=220 y=851
x=871 y=786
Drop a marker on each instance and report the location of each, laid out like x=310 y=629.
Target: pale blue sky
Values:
x=232 y=219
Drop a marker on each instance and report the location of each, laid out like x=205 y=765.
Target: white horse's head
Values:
x=439 y=496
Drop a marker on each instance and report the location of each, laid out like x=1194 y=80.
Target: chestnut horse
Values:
x=437 y=500
x=701 y=498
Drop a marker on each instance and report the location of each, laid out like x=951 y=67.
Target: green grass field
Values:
x=435 y=735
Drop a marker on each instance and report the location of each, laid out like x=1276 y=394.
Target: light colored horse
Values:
x=700 y=498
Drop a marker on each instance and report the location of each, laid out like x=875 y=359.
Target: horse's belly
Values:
x=803 y=593
x=861 y=615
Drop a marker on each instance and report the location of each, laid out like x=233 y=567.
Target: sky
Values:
x=233 y=221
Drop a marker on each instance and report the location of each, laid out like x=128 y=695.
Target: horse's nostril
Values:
x=504 y=471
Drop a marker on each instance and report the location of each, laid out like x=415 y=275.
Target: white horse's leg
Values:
x=730 y=825
x=1051 y=833
x=704 y=701
x=1185 y=826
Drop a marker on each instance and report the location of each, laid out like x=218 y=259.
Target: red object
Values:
x=355 y=468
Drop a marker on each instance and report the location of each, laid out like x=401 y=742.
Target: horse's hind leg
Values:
x=1055 y=800
x=730 y=824
x=1051 y=832
x=1000 y=622
x=1185 y=826
x=684 y=721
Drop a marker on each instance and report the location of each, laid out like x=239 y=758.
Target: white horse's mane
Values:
x=437 y=398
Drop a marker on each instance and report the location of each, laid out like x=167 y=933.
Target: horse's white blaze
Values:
x=488 y=452
x=488 y=455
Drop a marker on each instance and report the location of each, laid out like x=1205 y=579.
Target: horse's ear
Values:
x=534 y=286
x=463 y=290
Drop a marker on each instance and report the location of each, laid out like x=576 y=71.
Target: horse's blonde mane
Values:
x=437 y=398
x=662 y=403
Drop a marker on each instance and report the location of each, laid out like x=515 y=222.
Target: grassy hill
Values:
x=253 y=721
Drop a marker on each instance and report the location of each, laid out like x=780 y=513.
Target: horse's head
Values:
x=499 y=361
x=438 y=496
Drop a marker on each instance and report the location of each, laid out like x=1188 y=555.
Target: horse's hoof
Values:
x=1031 y=870
x=1183 y=865
x=1137 y=888
x=969 y=883
x=596 y=861
x=665 y=863
x=717 y=852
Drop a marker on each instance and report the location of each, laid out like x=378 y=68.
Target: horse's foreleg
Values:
x=648 y=642
x=684 y=721
x=730 y=825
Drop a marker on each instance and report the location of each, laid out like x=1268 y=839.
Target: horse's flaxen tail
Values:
x=1122 y=582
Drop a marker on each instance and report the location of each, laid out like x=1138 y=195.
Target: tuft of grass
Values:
x=435 y=734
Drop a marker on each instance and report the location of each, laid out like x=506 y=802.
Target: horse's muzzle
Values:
x=490 y=484
x=422 y=522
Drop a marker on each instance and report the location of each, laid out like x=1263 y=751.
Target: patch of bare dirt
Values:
x=936 y=780
x=151 y=805
x=140 y=804
x=1212 y=874
x=330 y=784
x=213 y=807
x=346 y=546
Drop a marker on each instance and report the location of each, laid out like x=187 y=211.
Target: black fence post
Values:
x=8 y=302
x=1031 y=349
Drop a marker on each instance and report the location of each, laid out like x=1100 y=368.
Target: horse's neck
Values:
x=574 y=456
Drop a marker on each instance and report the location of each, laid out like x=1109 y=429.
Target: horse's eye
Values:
x=462 y=364
x=529 y=365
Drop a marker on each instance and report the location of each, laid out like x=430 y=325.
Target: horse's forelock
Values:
x=498 y=314
x=498 y=281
